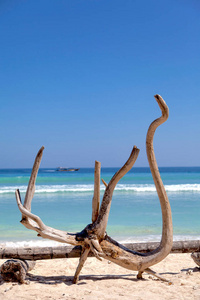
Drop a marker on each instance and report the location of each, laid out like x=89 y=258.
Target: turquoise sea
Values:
x=63 y=200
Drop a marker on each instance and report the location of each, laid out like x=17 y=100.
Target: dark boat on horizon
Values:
x=60 y=169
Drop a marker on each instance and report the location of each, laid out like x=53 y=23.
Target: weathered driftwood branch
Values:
x=93 y=237
x=101 y=223
x=41 y=253
x=96 y=197
x=196 y=257
x=16 y=270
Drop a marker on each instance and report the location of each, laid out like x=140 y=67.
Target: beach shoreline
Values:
x=135 y=217
x=39 y=242
x=52 y=279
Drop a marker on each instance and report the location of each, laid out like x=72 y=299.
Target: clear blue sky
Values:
x=79 y=78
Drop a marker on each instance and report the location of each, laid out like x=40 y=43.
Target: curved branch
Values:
x=142 y=261
x=43 y=230
x=102 y=220
x=31 y=221
x=31 y=185
x=27 y=213
x=167 y=230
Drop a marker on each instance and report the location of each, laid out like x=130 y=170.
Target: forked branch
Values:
x=32 y=221
x=93 y=237
x=102 y=220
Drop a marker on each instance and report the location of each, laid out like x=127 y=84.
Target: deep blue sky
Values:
x=79 y=78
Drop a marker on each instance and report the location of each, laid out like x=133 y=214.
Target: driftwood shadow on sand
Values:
x=68 y=280
x=195 y=269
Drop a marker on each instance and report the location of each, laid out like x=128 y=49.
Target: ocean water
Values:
x=63 y=200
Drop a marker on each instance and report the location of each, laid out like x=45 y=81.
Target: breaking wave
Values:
x=127 y=188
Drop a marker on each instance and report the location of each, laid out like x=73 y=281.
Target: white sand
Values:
x=52 y=279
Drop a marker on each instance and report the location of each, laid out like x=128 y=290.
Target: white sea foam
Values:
x=151 y=188
x=138 y=188
x=154 y=238
x=125 y=240
x=49 y=188
x=36 y=243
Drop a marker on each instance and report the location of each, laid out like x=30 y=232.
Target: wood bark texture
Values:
x=16 y=270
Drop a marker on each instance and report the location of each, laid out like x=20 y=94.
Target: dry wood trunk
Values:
x=40 y=253
x=16 y=269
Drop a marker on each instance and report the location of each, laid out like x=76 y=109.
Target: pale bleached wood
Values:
x=139 y=261
x=167 y=229
x=84 y=256
x=96 y=197
x=102 y=220
x=62 y=251
x=31 y=186
x=43 y=230
x=94 y=236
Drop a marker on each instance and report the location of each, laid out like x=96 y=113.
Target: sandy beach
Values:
x=52 y=279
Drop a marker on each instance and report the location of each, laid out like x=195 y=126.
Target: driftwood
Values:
x=41 y=253
x=93 y=237
x=25 y=257
x=196 y=257
x=16 y=270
